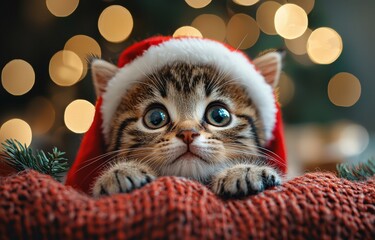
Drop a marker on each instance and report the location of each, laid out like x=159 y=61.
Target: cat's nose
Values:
x=187 y=136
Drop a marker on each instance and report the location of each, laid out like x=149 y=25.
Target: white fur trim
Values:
x=192 y=50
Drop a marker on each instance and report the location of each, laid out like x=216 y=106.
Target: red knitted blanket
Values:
x=314 y=206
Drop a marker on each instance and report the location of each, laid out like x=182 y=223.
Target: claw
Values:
x=246 y=179
x=103 y=191
x=148 y=179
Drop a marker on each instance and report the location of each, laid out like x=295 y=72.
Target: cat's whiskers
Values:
x=149 y=160
x=274 y=158
x=104 y=156
x=110 y=161
x=221 y=75
x=100 y=166
x=147 y=84
x=218 y=79
x=160 y=162
x=96 y=159
x=156 y=82
x=155 y=161
x=168 y=152
x=243 y=39
x=153 y=158
x=269 y=155
x=139 y=151
x=243 y=153
x=154 y=76
x=159 y=82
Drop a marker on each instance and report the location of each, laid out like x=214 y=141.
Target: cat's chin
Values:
x=190 y=166
x=188 y=156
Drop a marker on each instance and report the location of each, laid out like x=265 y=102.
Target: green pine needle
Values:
x=357 y=171
x=20 y=157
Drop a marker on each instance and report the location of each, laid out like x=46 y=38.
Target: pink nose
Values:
x=188 y=136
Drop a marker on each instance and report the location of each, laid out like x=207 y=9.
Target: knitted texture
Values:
x=313 y=206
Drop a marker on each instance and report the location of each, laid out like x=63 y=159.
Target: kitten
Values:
x=188 y=120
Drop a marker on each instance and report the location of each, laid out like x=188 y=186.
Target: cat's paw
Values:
x=244 y=179
x=122 y=178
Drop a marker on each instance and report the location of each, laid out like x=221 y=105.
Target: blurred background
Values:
x=47 y=98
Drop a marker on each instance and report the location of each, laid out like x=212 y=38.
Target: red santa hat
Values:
x=156 y=52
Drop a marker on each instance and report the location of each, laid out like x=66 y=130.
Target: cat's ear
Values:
x=269 y=65
x=102 y=72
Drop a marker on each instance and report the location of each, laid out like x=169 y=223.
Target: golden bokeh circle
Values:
x=198 y=3
x=79 y=115
x=307 y=5
x=115 y=23
x=17 y=77
x=265 y=17
x=290 y=21
x=242 y=31
x=324 y=45
x=351 y=139
x=16 y=129
x=65 y=68
x=211 y=26
x=298 y=45
x=85 y=47
x=303 y=60
x=41 y=115
x=344 y=89
x=187 y=31
x=245 y=2
x=62 y=8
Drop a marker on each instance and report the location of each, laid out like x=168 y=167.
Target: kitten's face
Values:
x=186 y=120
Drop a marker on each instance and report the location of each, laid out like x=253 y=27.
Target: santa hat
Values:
x=147 y=56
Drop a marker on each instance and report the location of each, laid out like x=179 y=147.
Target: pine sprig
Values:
x=357 y=171
x=20 y=157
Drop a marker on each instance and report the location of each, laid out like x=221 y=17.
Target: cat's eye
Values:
x=218 y=115
x=156 y=117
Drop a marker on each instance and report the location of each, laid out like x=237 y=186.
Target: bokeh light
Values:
x=286 y=89
x=115 y=23
x=245 y=2
x=307 y=5
x=350 y=139
x=62 y=8
x=242 y=31
x=79 y=115
x=211 y=26
x=303 y=60
x=279 y=1
x=61 y=97
x=265 y=17
x=85 y=47
x=298 y=45
x=290 y=21
x=310 y=143
x=41 y=115
x=65 y=68
x=198 y=3
x=17 y=77
x=39 y=17
x=16 y=129
x=187 y=31
x=324 y=45
x=344 y=89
